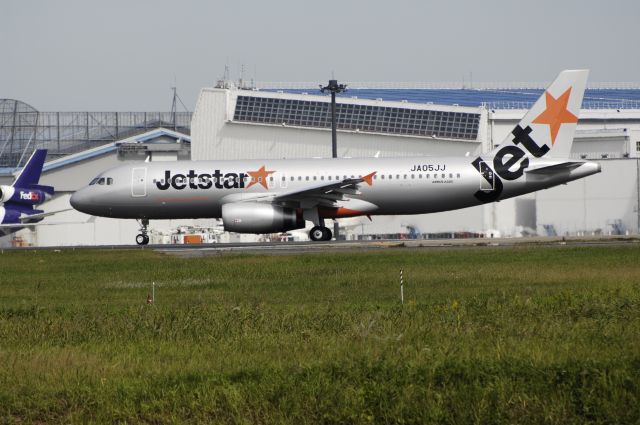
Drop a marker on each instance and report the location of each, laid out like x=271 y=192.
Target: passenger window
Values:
x=458 y=175
x=405 y=176
x=321 y=177
x=413 y=176
x=314 y=178
x=306 y=178
x=337 y=177
x=382 y=177
x=450 y=175
x=444 y=175
x=390 y=176
x=419 y=176
x=398 y=176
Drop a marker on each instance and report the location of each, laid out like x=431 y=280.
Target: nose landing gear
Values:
x=143 y=237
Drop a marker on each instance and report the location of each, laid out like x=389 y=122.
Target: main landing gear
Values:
x=143 y=237
x=320 y=233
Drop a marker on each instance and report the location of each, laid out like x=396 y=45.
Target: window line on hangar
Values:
x=365 y=118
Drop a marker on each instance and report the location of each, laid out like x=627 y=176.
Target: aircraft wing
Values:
x=324 y=194
x=330 y=192
x=27 y=218
x=552 y=169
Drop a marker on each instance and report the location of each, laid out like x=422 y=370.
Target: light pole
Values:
x=334 y=88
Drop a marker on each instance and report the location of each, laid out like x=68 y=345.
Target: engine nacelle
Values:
x=255 y=217
x=9 y=216
x=22 y=196
x=6 y=193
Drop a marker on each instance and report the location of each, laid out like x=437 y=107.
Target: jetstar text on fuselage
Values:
x=193 y=180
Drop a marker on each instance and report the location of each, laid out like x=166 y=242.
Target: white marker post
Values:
x=153 y=293
x=401 y=288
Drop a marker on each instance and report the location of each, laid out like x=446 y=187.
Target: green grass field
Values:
x=490 y=335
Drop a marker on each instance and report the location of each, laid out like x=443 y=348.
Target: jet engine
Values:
x=6 y=193
x=255 y=217
x=22 y=196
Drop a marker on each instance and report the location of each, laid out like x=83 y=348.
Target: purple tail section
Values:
x=28 y=192
x=30 y=174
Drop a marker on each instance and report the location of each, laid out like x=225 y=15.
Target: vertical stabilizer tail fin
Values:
x=549 y=126
x=30 y=174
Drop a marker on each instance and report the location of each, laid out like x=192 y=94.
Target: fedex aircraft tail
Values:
x=30 y=174
x=549 y=126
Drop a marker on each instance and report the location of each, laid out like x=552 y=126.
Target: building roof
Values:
x=511 y=98
x=147 y=137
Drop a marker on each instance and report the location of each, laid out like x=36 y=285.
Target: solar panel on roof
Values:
x=512 y=98
x=365 y=118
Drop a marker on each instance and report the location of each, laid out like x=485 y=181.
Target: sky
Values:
x=125 y=55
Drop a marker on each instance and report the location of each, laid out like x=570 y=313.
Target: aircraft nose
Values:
x=80 y=200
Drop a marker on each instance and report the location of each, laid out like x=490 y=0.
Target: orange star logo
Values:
x=556 y=113
x=259 y=176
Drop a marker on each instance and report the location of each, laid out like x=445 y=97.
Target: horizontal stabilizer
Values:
x=555 y=168
x=45 y=189
x=28 y=218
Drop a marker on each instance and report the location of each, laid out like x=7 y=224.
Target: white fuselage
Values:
x=413 y=185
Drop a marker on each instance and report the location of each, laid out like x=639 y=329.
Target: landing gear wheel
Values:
x=143 y=237
x=317 y=233
x=320 y=233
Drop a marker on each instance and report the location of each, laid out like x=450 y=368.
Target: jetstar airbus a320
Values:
x=268 y=196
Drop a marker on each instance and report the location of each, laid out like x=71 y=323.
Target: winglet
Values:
x=369 y=178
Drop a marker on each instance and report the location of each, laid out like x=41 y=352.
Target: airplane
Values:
x=268 y=196
x=17 y=201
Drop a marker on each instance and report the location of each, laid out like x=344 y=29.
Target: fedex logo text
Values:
x=29 y=196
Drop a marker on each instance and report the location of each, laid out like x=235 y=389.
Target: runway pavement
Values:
x=189 y=251
x=198 y=250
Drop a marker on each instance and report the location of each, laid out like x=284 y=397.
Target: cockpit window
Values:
x=101 y=180
x=109 y=181
x=94 y=181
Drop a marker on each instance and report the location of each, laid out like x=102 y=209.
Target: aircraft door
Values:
x=487 y=177
x=139 y=182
